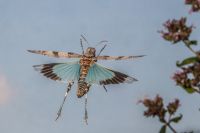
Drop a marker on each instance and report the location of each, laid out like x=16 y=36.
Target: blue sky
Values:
x=30 y=101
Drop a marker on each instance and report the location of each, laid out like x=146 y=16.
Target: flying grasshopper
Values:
x=85 y=72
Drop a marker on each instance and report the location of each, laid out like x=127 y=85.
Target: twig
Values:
x=188 y=46
x=173 y=130
x=170 y=127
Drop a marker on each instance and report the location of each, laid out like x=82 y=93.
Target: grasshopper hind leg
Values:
x=66 y=93
x=86 y=113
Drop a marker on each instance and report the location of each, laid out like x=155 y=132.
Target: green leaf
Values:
x=193 y=42
x=176 y=119
x=190 y=42
x=189 y=90
x=187 y=61
x=163 y=129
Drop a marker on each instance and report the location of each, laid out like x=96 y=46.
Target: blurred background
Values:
x=29 y=101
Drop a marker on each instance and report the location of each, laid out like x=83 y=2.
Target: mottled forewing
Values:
x=57 y=54
x=105 y=57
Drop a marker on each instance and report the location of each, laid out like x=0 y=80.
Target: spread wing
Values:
x=60 y=71
x=105 y=57
x=57 y=54
x=100 y=75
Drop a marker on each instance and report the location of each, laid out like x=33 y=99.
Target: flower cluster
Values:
x=173 y=106
x=189 y=78
x=195 y=5
x=155 y=107
x=176 y=30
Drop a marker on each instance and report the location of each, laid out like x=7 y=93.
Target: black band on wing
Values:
x=118 y=78
x=47 y=70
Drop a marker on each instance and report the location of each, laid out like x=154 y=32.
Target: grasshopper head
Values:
x=91 y=52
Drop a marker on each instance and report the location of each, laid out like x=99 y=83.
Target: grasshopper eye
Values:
x=93 y=50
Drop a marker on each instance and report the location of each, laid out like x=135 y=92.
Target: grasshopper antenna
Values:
x=102 y=42
x=85 y=40
x=81 y=42
x=102 y=49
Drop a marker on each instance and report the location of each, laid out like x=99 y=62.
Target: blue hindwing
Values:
x=100 y=75
x=60 y=71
